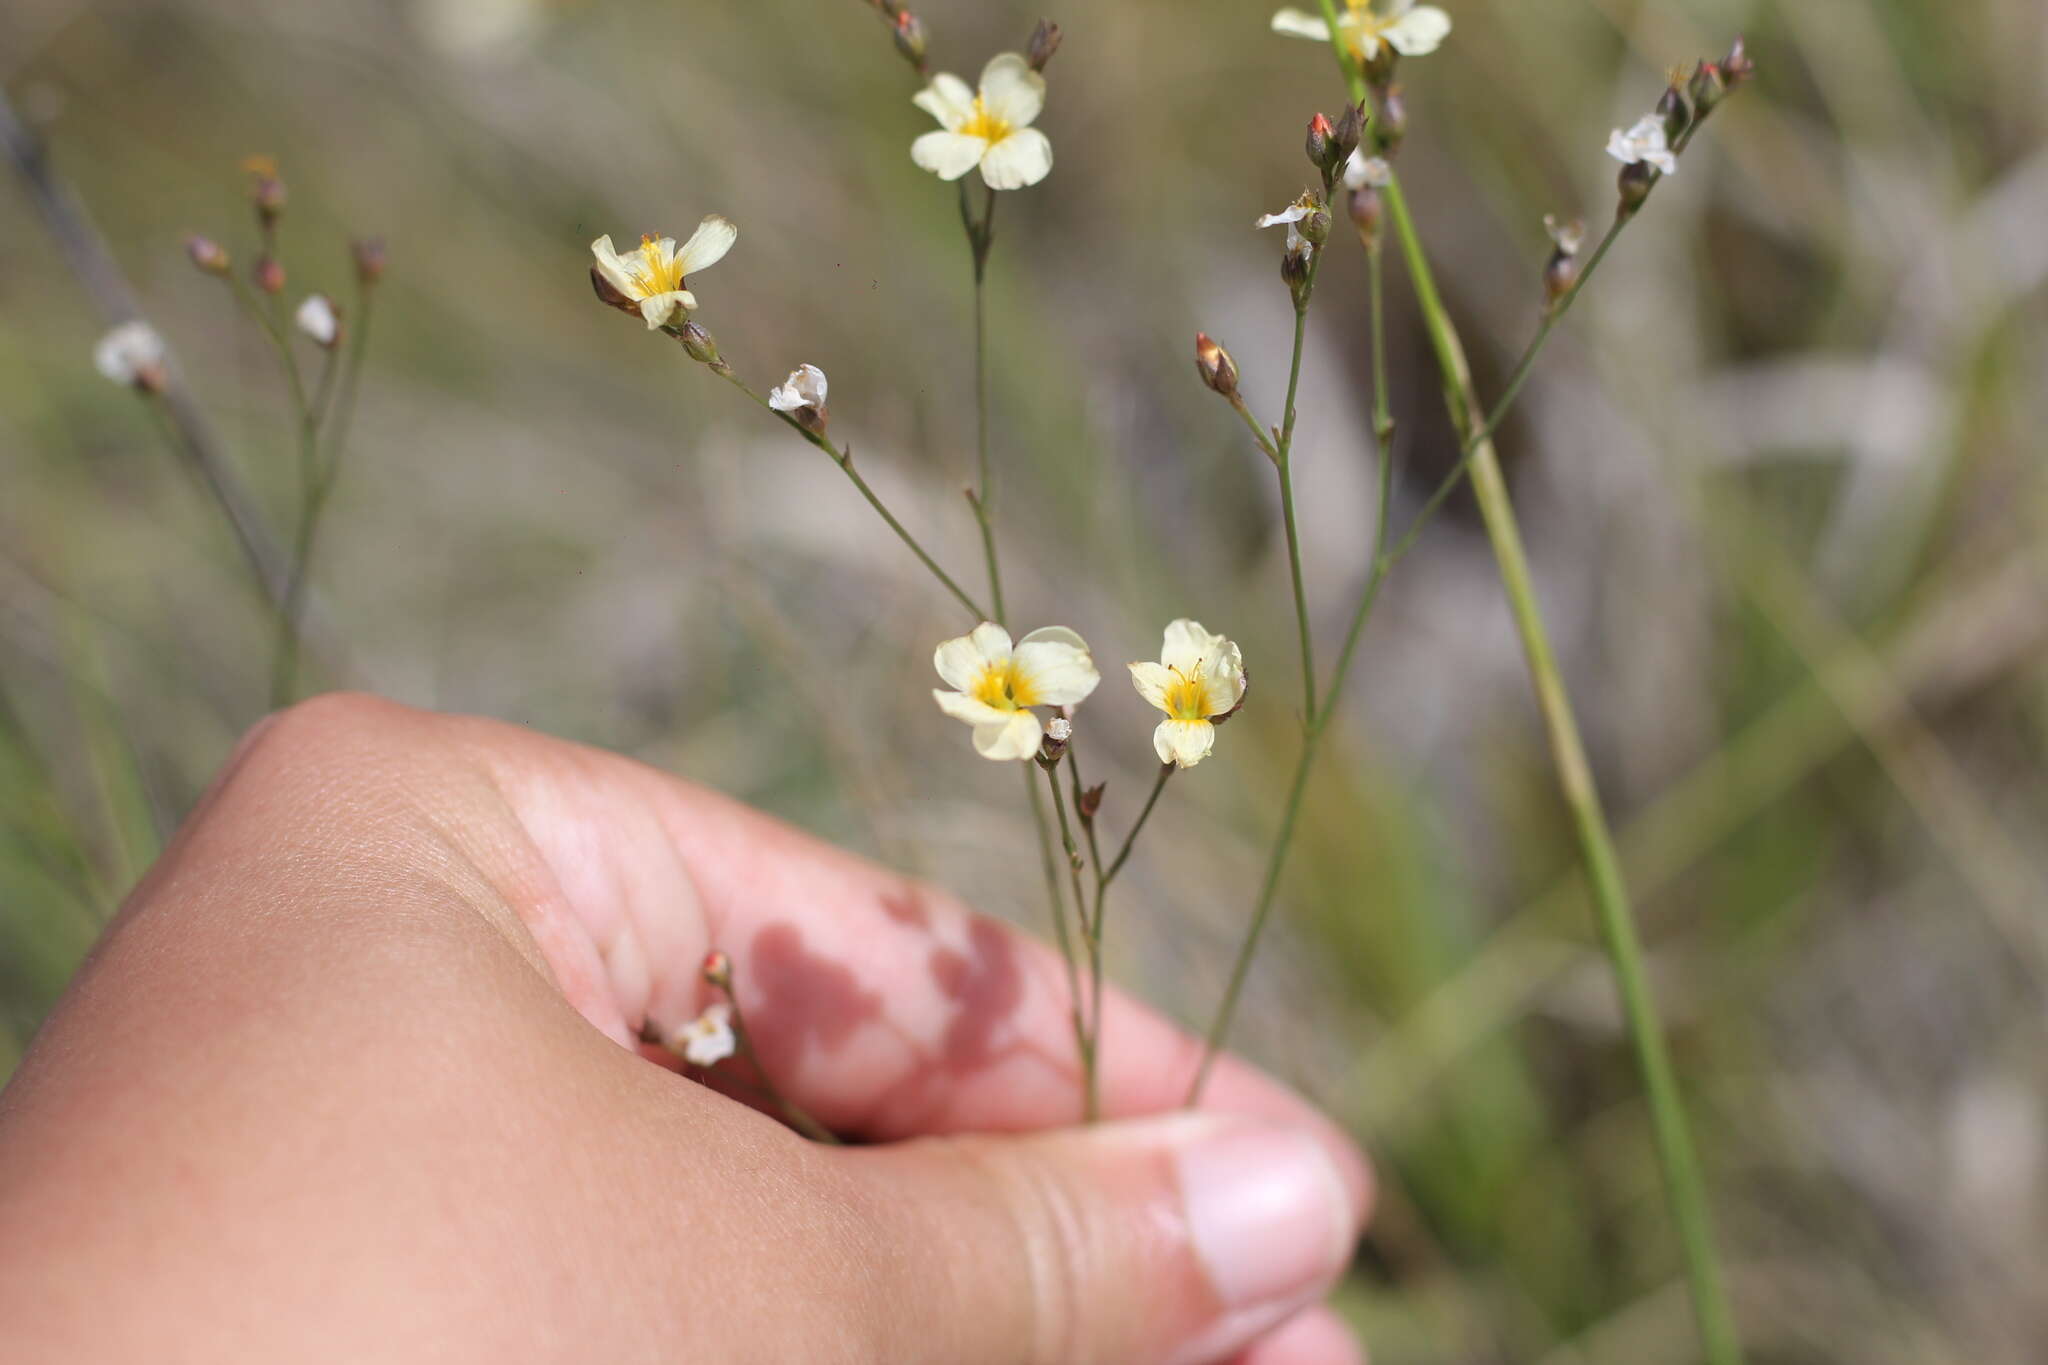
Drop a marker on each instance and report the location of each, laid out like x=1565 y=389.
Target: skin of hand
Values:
x=355 y=1075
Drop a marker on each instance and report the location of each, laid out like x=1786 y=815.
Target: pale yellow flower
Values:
x=1198 y=678
x=1645 y=141
x=654 y=276
x=995 y=684
x=1410 y=29
x=990 y=129
x=131 y=354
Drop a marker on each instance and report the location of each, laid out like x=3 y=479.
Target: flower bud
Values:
x=1318 y=145
x=1635 y=182
x=1671 y=108
x=1737 y=68
x=1059 y=733
x=699 y=343
x=1316 y=227
x=1365 y=205
x=1392 y=124
x=369 y=257
x=1706 y=87
x=1344 y=140
x=1214 y=364
x=1294 y=266
x=910 y=40
x=717 y=969
x=1045 y=40
x=268 y=275
x=207 y=254
x=1091 y=800
x=269 y=196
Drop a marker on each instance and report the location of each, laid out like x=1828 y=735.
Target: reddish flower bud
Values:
x=268 y=275
x=717 y=969
x=1318 y=145
x=1045 y=40
x=369 y=257
x=1214 y=364
x=207 y=254
x=910 y=38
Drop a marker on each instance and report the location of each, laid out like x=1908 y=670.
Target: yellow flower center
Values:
x=1187 y=698
x=651 y=273
x=1003 y=687
x=1365 y=27
x=981 y=123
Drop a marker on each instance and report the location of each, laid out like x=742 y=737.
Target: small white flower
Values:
x=708 y=1039
x=1568 y=236
x=805 y=388
x=131 y=354
x=1292 y=214
x=995 y=685
x=1059 y=729
x=1644 y=142
x=1410 y=29
x=1366 y=172
x=1198 y=678
x=655 y=275
x=318 y=319
x=990 y=129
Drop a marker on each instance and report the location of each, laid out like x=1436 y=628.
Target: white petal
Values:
x=1185 y=742
x=993 y=641
x=613 y=269
x=1223 y=676
x=1362 y=171
x=661 y=309
x=961 y=661
x=1663 y=161
x=1417 y=33
x=1023 y=158
x=1293 y=213
x=1055 y=672
x=317 y=319
x=1187 y=644
x=805 y=388
x=1011 y=91
x=1152 y=680
x=947 y=99
x=1619 y=148
x=127 y=350
x=707 y=245
x=948 y=155
x=960 y=706
x=1296 y=24
x=1394 y=9
x=1017 y=736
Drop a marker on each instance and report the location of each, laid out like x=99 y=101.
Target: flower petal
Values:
x=948 y=155
x=1055 y=672
x=1023 y=158
x=1295 y=24
x=660 y=309
x=960 y=706
x=1011 y=91
x=947 y=99
x=1293 y=213
x=1223 y=677
x=961 y=661
x=1186 y=645
x=1183 y=742
x=707 y=245
x=1418 y=32
x=613 y=269
x=1152 y=680
x=1016 y=736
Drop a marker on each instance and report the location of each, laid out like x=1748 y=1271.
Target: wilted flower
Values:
x=995 y=685
x=1408 y=28
x=709 y=1038
x=1644 y=143
x=1567 y=236
x=991 y=129
x=207 y=254
x=131 y=354
x=317 y=318
x=802 y=396
x=1293 y=213
x=654 y=277
x=1199 y=677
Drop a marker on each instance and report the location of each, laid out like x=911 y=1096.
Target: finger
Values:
x=881 y=1005
x=1175 y=1240
x=1314 y=1336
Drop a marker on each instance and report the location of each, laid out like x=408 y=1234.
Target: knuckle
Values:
x=1060 y=1251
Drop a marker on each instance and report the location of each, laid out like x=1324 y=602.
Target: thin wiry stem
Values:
x=1283 y=461
x=1106 y=875
x=844 y=459
x=1091 y=1088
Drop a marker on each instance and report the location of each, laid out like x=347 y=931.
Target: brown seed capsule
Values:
x=1045 y=40
x=910 y=38
x=1091 y=800
x=1214 y=364
x=699 y=343
x=1671 y=108
x=1316 y=227
x=207 y=254
x=1294 y=269
x=369 y=257
x=1365 y=206
x=1344 y=141
x=1635 y=183
x=268 y=275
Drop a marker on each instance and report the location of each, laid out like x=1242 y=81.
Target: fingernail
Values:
x=1269 y=1218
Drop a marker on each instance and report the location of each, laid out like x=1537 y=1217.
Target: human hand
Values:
x=355 y=1075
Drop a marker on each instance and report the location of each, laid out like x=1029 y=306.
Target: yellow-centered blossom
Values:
x=995 y=684
x=1199 y=678
x=990 y=129
x=654 y=275
x=1410 y=29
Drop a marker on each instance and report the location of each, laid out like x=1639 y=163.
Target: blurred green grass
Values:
x=1778 y=475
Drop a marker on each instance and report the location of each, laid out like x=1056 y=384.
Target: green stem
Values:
x=845 y=462
x=1106 y=875
x=1283 y=461
x=1668 y=1124
x=980 y=237
x=1091 y=1104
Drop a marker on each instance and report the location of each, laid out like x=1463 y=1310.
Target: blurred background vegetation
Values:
x=1778 y=473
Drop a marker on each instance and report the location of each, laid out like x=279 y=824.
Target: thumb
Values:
x=1163 y=1241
